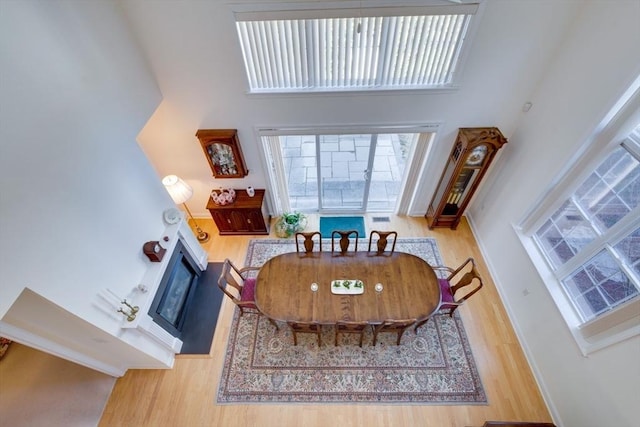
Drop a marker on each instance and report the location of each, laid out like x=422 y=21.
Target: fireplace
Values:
x=175 y=291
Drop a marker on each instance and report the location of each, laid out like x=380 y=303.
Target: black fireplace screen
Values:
x=176 y=289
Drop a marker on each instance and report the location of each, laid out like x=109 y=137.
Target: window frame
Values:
x=623 y=321
x=333 y=9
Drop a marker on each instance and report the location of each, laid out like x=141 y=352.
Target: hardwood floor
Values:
x=186 y=394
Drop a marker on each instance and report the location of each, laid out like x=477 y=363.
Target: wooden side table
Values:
x=246 y=215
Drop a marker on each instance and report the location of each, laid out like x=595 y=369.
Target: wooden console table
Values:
x=246 y=215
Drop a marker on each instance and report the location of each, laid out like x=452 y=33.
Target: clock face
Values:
x=477 y=155
x=153 y=251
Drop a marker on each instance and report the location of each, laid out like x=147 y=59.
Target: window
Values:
x=353 y=49
x=589 y=247
x=588 y=220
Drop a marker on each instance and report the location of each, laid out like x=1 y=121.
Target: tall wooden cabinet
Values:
x=246 y=215
x=471 y=156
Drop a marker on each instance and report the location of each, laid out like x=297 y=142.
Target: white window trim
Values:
x=623 y=322
x=347 y=9
x=603 y=331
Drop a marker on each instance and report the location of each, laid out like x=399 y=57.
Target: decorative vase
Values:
x=290 y=223
x=250 y=191
x=223 y=196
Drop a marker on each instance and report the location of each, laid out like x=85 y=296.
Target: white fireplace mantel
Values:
x=143 y=323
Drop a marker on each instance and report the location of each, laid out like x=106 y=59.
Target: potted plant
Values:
x=290 y=223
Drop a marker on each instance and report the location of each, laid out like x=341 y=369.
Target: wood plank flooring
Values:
x=186 y=394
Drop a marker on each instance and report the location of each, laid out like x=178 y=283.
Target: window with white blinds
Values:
x=369 y=49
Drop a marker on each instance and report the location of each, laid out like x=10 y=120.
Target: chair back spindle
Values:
x=383 y=240
x=465 y=277
x=308 y=241
x=344 y=240
x=239 y=287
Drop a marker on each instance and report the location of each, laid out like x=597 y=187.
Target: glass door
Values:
x=345 y=162
x=338 y=172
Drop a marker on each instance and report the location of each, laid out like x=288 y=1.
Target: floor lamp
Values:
x=180 y=192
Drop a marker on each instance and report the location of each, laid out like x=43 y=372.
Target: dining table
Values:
x=302 y=287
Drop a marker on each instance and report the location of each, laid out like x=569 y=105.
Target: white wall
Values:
x=194 y=52
x=78 y=196
x=594 y=66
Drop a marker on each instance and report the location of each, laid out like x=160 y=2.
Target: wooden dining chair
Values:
x=305 y=328
x=240 y=288
x=345 y=240
x=348 y=327
x=383 y=240
x=465 y=276
x=308 y=241
x=390 y=325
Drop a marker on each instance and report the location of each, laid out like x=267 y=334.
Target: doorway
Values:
x=340 y=172
x=344 y=164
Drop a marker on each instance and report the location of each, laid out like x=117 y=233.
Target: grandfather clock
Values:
x=472 y=153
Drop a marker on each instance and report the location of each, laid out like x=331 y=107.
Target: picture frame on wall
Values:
x=223 y=152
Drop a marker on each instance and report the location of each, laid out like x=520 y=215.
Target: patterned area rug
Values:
x=435 y=366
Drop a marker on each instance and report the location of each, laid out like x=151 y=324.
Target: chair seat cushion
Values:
x=249 y=291
x=445 y=291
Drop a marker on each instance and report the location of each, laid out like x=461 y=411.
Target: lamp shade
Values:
x=179 y=190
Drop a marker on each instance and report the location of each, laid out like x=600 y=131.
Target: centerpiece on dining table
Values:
x=347 y=287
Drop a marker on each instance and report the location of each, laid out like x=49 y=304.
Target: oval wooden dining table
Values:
x=283 y=287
